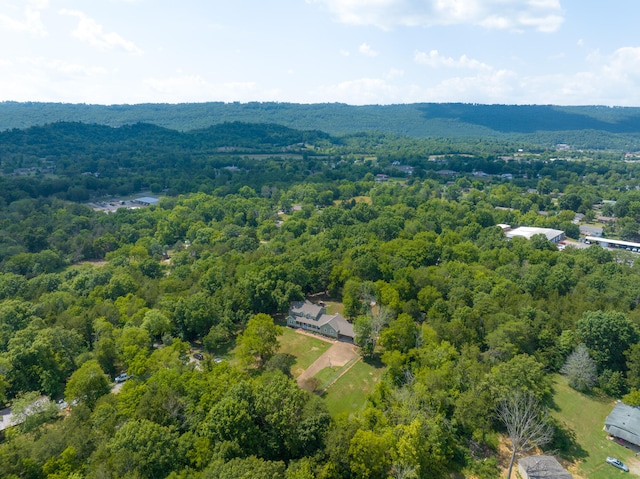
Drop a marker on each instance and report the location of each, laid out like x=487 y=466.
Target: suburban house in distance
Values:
x=306 y=315
x=623 y=423
x=542 y=467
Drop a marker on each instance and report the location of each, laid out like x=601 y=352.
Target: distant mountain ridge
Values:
x=416 y=120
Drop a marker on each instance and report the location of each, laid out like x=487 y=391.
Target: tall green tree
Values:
x=607 y=335
x=87 y=384
x=259 y=341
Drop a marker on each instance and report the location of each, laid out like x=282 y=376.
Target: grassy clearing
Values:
x=306 y=349
x=358 y=199
x=349 y=393
x=333 y=307
x=325 y=374
x=583 y=416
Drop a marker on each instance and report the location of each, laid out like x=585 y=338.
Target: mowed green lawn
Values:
x=349 y=393
x=306 y=349
x=584 y=415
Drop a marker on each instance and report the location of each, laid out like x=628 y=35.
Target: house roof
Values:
x=341 y=325
x=306 y=308
x=543 y=467
x=624 y=422
x=8 y=419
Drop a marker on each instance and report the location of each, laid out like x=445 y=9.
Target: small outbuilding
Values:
x=624 y=423
x=542 y=467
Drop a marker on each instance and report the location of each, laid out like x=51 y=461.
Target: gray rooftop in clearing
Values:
x=624 y=422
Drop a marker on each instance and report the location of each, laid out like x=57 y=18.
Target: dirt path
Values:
x=634 y=465
x=338 y=354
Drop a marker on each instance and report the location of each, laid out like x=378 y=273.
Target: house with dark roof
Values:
x=624 y=423
x=312 y=317
x=542 y=467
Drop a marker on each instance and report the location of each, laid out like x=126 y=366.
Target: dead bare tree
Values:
x=526 y=422
x=402 y=471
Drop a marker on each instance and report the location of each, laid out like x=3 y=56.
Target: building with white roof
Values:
x=555 y=236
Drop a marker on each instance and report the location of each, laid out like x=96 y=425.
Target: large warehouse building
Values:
x=555 y=236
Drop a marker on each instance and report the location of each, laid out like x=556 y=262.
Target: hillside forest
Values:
x=402 y=232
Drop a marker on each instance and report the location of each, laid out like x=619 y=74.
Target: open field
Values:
x=349 y=393
x=306 y=349
x=584 y=415
x=333 y=307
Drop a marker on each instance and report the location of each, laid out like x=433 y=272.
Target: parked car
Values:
x=120 y=378
x=617 y=463
x=199 y=356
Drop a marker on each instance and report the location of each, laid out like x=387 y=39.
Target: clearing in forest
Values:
x=583 y=416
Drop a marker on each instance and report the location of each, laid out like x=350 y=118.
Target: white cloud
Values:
x=185 y=87
x=363 y=91
x=91 y=32
x=46 y=79
x=60 y=66
x=395 y=73
x=433 y=59
x=38 y=4
x=366 y=50
x=32 y=21
x=486 y=87
x=611 y=80
x=541 y=15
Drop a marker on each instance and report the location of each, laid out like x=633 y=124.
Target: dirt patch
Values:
x=634 y=465
x=338 y=355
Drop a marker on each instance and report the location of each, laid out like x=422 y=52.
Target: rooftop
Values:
x=624 y=422
x=530 y=231
x=543 y=467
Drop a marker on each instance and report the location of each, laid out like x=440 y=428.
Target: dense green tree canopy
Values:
x=251 y=218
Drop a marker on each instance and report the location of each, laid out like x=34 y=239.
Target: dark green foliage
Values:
x=458 y=315
x=608 y=335
x=588 y=126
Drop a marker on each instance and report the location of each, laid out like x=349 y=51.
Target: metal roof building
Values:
x=624 y=422
x=555 y=236
x=606 y=242
x=147 y=200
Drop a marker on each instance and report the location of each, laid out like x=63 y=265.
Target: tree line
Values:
x=462 y=318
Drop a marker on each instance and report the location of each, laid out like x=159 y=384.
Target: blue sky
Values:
x=566 y=52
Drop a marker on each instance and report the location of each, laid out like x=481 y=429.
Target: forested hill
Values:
x=418 y=120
